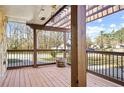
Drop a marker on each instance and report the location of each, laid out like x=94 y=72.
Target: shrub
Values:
x=54 y=54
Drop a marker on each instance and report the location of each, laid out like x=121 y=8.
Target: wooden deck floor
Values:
x=47 y=76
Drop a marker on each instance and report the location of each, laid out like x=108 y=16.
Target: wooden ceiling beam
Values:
x=92 y=7
x=48 y=28
x=104 y=13
x=66 y=21
x=55 y=14
x=65 y=16
x=67 y=25
x=104 y=8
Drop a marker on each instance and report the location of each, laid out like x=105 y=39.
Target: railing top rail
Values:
x=106 y=52
x=25 y=50
x=38 y=50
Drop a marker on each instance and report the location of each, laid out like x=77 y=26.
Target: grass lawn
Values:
x=46 y=59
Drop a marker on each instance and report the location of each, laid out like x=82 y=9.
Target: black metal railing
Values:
x=19 y=58
x=110 y=64
x=22 y=58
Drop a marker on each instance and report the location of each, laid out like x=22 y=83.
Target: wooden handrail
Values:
x=38 y=50
x=25 y=50
x=105 y=52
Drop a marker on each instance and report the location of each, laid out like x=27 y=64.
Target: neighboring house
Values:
x=95 y=46
x=119 y=48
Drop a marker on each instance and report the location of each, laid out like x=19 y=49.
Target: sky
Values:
x=107 y=24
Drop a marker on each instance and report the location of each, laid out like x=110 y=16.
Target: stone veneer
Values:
x=3 y=47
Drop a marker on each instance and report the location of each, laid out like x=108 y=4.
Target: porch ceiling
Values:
x=33 y=14
x=29 y=13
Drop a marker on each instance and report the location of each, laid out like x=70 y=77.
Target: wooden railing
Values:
x=23 y=58
x=107 y=64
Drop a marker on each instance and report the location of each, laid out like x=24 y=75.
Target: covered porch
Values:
x=28 y=60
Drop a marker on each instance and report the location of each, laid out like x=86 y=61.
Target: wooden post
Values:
x=78 y=52
x=64 y=34
x=35 y=47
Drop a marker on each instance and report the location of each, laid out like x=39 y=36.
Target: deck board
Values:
x=22 y=80
x=27 y=80
x=6 y=80
x=48 y=76
x=17 y=79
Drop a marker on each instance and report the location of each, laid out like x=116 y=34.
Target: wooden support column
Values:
x=78 y=52
x=35 y=47
x=64 y=34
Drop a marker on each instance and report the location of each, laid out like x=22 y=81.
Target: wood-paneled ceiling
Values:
x=36 y=14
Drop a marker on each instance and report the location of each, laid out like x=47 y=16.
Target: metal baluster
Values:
x=117 y=66
x=44 y=56
x=14 y=61
x=122 y=68
x=8 y=59
x=10 y=63
x=30 y=58
x=113 y=66
x=24 y=58
x=16 y=58
x=93 y=61
x=47 y=56
x=99 y=63
x=11 y=60
x=109 y=64
x=19 y=58
x=106 y=64
x=88 y=61
x=27 y=58
x=102 y=64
